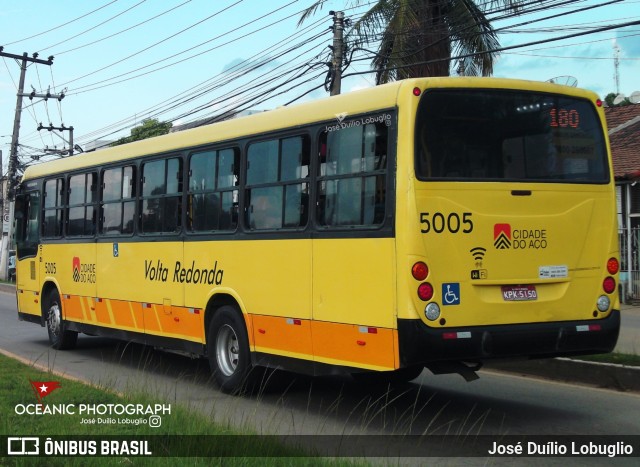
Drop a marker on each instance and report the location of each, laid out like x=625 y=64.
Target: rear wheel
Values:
x=228 y=350
x=59 y=337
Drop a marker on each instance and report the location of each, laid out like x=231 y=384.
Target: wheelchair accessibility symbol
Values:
x=451 y=293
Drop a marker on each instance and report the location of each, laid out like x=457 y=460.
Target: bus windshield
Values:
x=480 y=135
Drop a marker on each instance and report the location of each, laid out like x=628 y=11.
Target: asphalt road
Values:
x=496 y=404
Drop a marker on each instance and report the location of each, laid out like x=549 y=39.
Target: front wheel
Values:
x=228 y=350
x=59 y=337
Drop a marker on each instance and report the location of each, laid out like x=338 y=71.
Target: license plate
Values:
x=519 y=293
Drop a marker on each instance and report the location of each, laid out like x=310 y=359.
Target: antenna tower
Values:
x=616 y=66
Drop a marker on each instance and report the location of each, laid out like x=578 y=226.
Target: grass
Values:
x=220 y=442
x=618 y=358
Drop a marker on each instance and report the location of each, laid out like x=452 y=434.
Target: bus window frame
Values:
x=387 y=224
x=61 y=207
x=308 y=144
x=93 y=204
x=237 y=173
x=141 y=162
x=134 y=199
x=35 y=188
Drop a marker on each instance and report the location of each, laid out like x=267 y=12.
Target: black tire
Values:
x=228 y=350
x=59 y=337
x=399 y=376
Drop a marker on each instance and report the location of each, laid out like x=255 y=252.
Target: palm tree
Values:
x=418 y=37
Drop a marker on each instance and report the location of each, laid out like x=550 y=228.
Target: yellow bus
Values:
x=436 y=222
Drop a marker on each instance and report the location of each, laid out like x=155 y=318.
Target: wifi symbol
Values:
x=478 y=253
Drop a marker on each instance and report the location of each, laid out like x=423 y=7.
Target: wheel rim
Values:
x=227 y=353
x=53 y=319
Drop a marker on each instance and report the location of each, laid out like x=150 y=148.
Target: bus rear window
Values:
x=479 y=135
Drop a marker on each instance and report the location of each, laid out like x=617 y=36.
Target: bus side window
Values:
x=160 y=203
x=212 y=197
x=277 y=194
x=118 y=201
x=81 y=207
x=265 y=208
x=352 y=176
x=53 y=208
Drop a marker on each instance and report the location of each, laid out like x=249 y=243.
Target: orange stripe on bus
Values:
x=346 y=343
x=162 y=320
x=274 y=332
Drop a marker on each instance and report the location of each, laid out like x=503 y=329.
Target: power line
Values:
x=169 y=106
x=517 y=46
x=208 y=104
x=154 y=44
x=123 y=30
x=240 y=69
x=253 y=86
x=93 y=27
x=64 y=24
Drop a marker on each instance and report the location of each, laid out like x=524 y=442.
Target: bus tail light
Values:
x=613 y=266
x=425 y=291
x=420 y=271
x=609 y=285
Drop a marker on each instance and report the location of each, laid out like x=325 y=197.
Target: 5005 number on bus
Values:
x=439 y=222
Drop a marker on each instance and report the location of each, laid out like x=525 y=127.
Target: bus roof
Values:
x=326 y=109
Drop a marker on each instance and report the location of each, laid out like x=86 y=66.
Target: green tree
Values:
x=418 y=37
x=149 y=128
x=611 y=97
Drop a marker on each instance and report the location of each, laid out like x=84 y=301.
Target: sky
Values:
x=119 y=62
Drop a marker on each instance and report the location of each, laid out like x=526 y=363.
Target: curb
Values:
x=601 y=375
x=8 y=288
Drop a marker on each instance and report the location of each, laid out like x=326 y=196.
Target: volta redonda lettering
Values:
x=156 y=271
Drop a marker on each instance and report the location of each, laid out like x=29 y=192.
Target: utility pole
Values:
x=338 y=46
x=13 y=153
x=60 y=128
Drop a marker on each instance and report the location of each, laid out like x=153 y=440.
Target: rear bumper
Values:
x=421 y=344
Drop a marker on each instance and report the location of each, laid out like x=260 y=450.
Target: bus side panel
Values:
x=288 y=337
x=354 y=310
x=272 y=277
x=355 y=346
x=354 y=281
x=144 y=273
x=73 y=268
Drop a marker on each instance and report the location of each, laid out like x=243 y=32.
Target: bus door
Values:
x=27 y=236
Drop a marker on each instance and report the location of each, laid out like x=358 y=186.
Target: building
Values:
x=624 y=136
